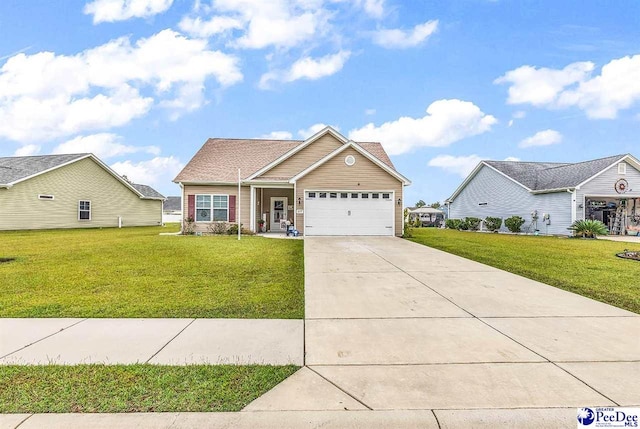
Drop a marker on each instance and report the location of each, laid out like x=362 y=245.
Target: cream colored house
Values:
x=325 y=185
x=71 y=191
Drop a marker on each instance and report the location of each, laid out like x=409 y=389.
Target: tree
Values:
x=420 y=204
x=435 y=205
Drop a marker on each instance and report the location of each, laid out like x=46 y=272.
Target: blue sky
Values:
x=442 y=84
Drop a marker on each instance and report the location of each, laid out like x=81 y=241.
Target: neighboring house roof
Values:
x=426 y=210
x=147 y=191
x=16 y=169
x=172 y=204
x=219 y=159
x=539 y=177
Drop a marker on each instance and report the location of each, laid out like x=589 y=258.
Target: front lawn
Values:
x=135 y=272
x=586 y=267
x=134 y=388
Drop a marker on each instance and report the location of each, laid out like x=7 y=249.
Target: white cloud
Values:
x=396 y=38
x=542 y=138
x=216 y=25
x=510 y=123
x=44 y=95
x=512 y=158
x=277 y=135
x=103 y=145
x=154 y=172
x=370 y=112
x=307 y=68
x=373 y=8
x=121 y=10
x=617 y=87
x=460 y=165
x=446 y=122
x=308 y=132
x=27 y=150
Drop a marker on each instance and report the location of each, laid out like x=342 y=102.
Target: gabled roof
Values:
x=540 y=177
x=218 y=159
x=16 y=169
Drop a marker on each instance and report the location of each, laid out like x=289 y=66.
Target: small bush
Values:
x=452 y=223
x=188 y=226
x=514 y=223
x=473 y=223
x=493 y=223
x=218 y=228
x=463 y=225
x=588 y=228
x=406 y=231
x=417 y=223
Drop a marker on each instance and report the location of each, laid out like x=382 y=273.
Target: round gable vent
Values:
x=350 y=160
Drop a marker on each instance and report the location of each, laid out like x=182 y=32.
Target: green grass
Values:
x=586 y=267
x=134 y=388
x=135 y=272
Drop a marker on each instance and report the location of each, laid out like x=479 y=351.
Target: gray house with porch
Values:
x=557 y=194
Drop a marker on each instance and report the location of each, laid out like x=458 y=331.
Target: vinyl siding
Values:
x=603 y=186
x=364 y=175
x=20 y=207
x=306 y=157
x=505 y=198
x=218 y=190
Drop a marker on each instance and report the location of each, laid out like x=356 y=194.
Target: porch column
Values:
x=252 y=219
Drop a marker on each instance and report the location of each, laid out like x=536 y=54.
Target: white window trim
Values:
x=622 y=168
x=210 y=208
x=90 y=210
x=47 y=197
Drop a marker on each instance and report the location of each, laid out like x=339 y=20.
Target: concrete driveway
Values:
x=393 y=325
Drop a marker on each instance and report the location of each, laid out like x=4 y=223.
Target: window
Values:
x=385 y=196
x=203 y=208
x=622 y=168
x=344 y=195
x=333 y=195
x=354 y=195
x=84 y=210
x=365 y=195
x=220 y=208
x=323 y=195
x=45 y=197
x=375 y=195
x=312 y=194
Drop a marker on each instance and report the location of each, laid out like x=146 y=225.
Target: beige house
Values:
x=325 y=185
x=71 y=191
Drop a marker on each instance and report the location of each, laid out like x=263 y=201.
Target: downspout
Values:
x=181 y=207
x=573 y=205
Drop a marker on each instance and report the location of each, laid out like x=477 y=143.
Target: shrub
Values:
x=463 y=225
x=588 y=228
x=417 y=223
x=473 y=223
x=452 y=223
x=188 y=226
x=406 y=231
x=514 y=223
x=218 y=228
x=493 y=223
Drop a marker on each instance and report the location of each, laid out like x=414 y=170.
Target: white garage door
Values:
x=348 y=213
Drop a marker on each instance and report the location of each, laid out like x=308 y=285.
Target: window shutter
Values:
x=232 y=208
x=191 y=206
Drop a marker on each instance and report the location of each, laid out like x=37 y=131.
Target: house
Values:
x=71 y=191
x=324 y=185
x=172 y=209
x=551 y=196
x=428 y=216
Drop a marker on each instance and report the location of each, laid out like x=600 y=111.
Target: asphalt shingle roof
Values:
x=541 y=176
x=15 y=168
x=172 y=203
x=218 y=159
x=147 y=191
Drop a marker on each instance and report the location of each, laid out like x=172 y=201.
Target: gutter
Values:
x=550 y=191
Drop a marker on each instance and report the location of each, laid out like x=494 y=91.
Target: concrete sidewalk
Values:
x=158 y=341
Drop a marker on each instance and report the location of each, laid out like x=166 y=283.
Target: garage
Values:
x=349 y=213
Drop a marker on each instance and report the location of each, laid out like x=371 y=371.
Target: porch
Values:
x=271 y=206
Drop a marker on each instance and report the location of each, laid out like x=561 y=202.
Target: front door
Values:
x=278 y=213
